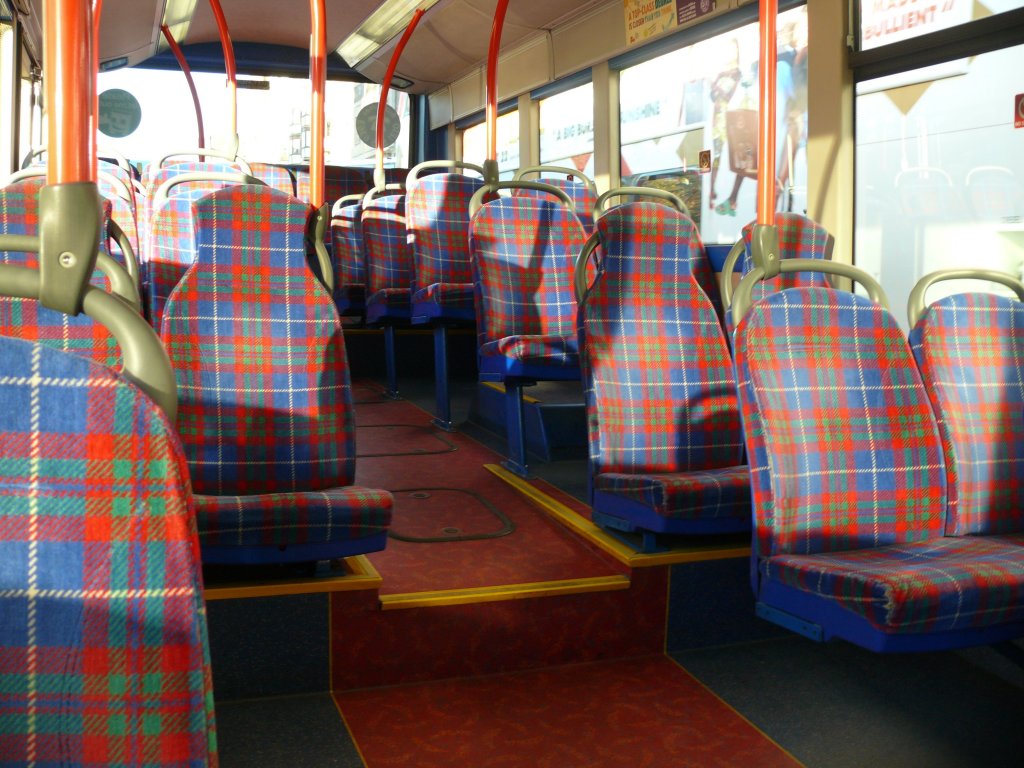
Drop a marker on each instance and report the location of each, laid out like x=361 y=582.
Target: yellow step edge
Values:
x=619 y=550
x=359 y=574
x=472 y=595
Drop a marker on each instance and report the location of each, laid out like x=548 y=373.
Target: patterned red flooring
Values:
x=631 y=713
x=445 y=493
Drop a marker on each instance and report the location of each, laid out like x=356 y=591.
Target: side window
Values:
x=567 y=129
x=702 y=100
x=474 y=144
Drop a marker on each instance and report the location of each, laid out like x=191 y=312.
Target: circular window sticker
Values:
x=120 y=113
x=366 y=125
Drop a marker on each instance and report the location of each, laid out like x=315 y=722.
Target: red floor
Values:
x=444 y=493
x=631 y=713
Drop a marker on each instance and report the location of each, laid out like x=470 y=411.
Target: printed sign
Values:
x=647 y=18
x=120 y=113
x=889 y=21
x=1018 y=111
x=688 y=10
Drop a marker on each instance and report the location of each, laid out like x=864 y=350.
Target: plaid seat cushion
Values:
x=523 y=252
x=385 y=243
x=446 y=295
x=282 y=519
x=27 y=318
x=556 y=351
x=437 y=219
x=937 y=585
x=841 y=439
x=696 y=495
x=103 y=643
x=970 y=351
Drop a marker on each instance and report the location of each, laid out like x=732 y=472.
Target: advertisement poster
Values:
x=688 y=10
x=889 y=21
x=647 y=18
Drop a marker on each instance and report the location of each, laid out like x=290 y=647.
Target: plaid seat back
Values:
x=437 y=219
x=841 y=440
x=103 y=640
x=27 y=318
x=386 y=245
x=347 y=250
x=523 y=253
x=970 y=349
x=799 y=238
x=582 y=196
x=123 y=214
x=658 y=377
x=265 y=404
x=191 y=190
x=338 y=182
x=274 y=176
x=172 y=250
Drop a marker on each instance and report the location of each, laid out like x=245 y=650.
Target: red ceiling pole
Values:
x=318 y=82
x=70 y=85
x=229 y=66
x=378 y=175
x=491 y=113
x=186 y=70
x=768 y=10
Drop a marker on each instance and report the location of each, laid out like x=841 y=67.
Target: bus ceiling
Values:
x=452 y=43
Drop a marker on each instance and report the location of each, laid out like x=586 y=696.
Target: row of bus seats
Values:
x=257 y=350
x=887 y=477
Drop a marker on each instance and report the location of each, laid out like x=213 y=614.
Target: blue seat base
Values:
x=296 y=553
x=821 y=619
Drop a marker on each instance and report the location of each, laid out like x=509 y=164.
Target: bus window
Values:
x=8 y=161
x=704 y=98
x=273 y=117
x=474 y=144
x=567 y=129
x=940 y=172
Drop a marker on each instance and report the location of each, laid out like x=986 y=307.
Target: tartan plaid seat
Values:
x=347 y=260
x=582 y=196
x=388 y=259
x=799 y=238
x=849 y=485
x=265 y=404
x=970 y=352
x=338 y=182
x=191 y=190
x=170 y=253
x=27 y=318
x=666 y=453
x=388 y=273
x=103 y=643
x=437 y=220
x=275 y=176
x=523 y=253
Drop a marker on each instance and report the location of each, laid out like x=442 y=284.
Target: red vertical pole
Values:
x=768 y=10
x=386 y=86
x=186 y=70
x=70 y=90
x=229 y=63
x=94 y=118
x=318 y=82
x=491 y=113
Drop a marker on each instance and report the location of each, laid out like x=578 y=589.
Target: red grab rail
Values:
x=70 y=85
x=384 y=88
x=318 y=83
x=768 y=10
x=491 y=113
